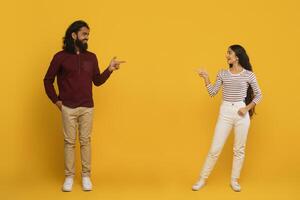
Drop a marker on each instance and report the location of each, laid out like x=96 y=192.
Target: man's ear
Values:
x=74 y=35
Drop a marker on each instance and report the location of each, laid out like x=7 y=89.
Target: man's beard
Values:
x=81 y=46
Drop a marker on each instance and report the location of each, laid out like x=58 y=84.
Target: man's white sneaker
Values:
x=86 y=184
x=68 y=184
x=235 y=186
x=197 y=186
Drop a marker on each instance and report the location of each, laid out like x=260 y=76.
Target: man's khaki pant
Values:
x=80 y=118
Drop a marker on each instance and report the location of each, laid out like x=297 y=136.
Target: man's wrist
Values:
x=110 y=69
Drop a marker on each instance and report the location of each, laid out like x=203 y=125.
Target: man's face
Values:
x=83 y=34
x=81 y=38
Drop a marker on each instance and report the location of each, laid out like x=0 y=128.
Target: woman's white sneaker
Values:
x=197 y=186
x=86 y=184
x=68 y=184
x=235 y=186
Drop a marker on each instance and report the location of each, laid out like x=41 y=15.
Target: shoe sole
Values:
x=66 y=190
x=87 y=189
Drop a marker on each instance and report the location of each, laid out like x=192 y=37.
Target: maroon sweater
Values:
x=75 y=75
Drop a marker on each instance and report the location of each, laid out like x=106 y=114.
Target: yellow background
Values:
x=153 y=120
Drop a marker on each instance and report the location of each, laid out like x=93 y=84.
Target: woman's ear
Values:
x=74 y=36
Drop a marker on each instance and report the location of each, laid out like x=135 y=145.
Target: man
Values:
x=76 y=70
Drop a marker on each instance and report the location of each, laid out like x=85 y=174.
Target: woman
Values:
x=241 y=93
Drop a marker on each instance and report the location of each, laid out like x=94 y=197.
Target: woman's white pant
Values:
x=228 y=119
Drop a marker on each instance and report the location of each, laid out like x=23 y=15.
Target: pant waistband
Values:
x=238 y=103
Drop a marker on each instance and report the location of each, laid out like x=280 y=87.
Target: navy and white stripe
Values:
x=235 y=86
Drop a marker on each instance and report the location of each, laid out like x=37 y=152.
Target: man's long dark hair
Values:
x=244 y=61
x=68 y=41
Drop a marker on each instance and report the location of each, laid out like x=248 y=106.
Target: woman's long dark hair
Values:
x=244 y=61
x=68 y=41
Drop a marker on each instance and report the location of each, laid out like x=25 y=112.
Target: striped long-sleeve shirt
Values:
x=235 y=86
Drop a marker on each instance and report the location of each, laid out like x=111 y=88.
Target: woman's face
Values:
x=231 y=57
